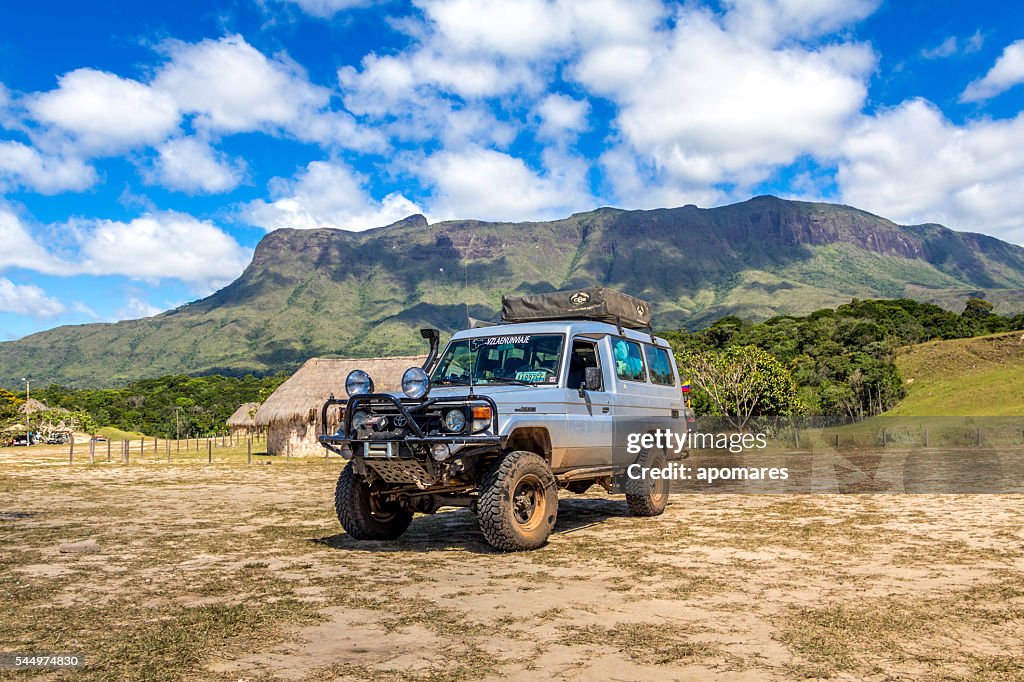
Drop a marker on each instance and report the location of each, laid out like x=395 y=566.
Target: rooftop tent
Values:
x=590 y=303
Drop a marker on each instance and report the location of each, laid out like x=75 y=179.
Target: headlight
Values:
x=454 y=421
x=359 y=418
x=358 y=382
x=415 y=383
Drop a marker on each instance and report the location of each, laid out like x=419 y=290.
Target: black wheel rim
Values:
x=529 y=503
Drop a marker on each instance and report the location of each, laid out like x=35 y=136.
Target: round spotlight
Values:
x=415 y=383
x=454 y=421
x=358 y=382
x=359 y=419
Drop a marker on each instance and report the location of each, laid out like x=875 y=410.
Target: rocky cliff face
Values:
x=330 y=292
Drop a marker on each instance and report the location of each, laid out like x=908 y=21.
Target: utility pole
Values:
x=28 y=415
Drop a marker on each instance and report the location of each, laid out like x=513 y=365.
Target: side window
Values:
x=629 y=361
x=661 y=367
x=584 y=354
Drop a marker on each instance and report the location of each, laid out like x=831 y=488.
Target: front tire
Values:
x=361 y=514
x=648 y=497
x=518 y=502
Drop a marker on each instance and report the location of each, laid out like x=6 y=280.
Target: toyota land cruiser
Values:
x=509 y=414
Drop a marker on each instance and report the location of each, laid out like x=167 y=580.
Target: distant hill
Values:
x=333 y=292
x=980 y=376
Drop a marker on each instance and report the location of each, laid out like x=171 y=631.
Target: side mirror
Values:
x=591 y=380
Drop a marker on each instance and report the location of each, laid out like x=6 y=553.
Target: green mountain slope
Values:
x=323 y=292
x=980 y=376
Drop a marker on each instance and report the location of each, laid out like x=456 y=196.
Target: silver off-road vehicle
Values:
x=507 y=415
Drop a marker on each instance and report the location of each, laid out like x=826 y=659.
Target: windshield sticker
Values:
x=480 y=342
x=532 y=375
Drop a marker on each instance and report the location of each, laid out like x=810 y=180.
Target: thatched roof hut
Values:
x=243 y=420
x=292 y=415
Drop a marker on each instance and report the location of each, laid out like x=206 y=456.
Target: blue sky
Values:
x=145 y=148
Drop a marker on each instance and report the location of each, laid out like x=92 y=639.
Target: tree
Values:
x=741 y=382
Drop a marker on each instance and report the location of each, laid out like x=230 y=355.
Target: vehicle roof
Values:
x=569 y=327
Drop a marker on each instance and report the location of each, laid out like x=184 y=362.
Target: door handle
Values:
x=606 y=410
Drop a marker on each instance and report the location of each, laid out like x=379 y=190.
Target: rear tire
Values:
x=518 y=502
x=648 y=497
x=361 y=515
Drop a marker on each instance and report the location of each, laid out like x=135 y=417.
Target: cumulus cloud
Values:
x=105 y=113
x=326 y=194
x=491 y=185
x=772 y=21
x=710 y=106
x=561 y=114
x=1007 y=72
x=232 y=87
x=165 y=245
x=191 y=165
x=21 y=249
x=27 y=299
x=24 y=166
x=911 y=164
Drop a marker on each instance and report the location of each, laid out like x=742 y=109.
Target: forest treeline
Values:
x=840 y=361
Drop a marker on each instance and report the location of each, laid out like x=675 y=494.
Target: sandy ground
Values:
x=240 y=572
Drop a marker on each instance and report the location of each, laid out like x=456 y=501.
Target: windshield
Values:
x=518 y=359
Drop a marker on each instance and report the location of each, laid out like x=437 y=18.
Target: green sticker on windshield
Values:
x=531 y=375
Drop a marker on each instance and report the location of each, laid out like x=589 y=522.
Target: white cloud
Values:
x=325 y=9
x=105 y=113
x=192 y=166
x=159 y=246
x=21 y=250
x=326 y=194
x=912 y=165
x=24 y=166
x=710 y=106
x=772 y=21
x=1007 y=72
x=946 y=48
x=955 y=45
x=27 y=299
x=490 y=185
x=233 y=87
x=561 y=114
x=136 y=308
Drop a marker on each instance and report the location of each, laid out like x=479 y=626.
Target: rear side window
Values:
x=661 y=367
x=629 y=361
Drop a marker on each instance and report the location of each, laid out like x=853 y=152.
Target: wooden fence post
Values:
x=978 y=436
x=926 y=436
x=92 y=451
x=168 y=444
x=884 y=438
x=209 y=451
x=250 y=452
x=71 y=452
x=127 y=450
x=108 y=450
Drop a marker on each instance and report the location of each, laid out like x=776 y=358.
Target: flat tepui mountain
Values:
x=334 y=292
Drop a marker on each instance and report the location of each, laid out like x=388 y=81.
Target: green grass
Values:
x=114 y=433
x=981 y=376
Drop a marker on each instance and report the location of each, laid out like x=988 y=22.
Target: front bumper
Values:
x=347 y=444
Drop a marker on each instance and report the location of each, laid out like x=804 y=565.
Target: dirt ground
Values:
x=241 y=572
